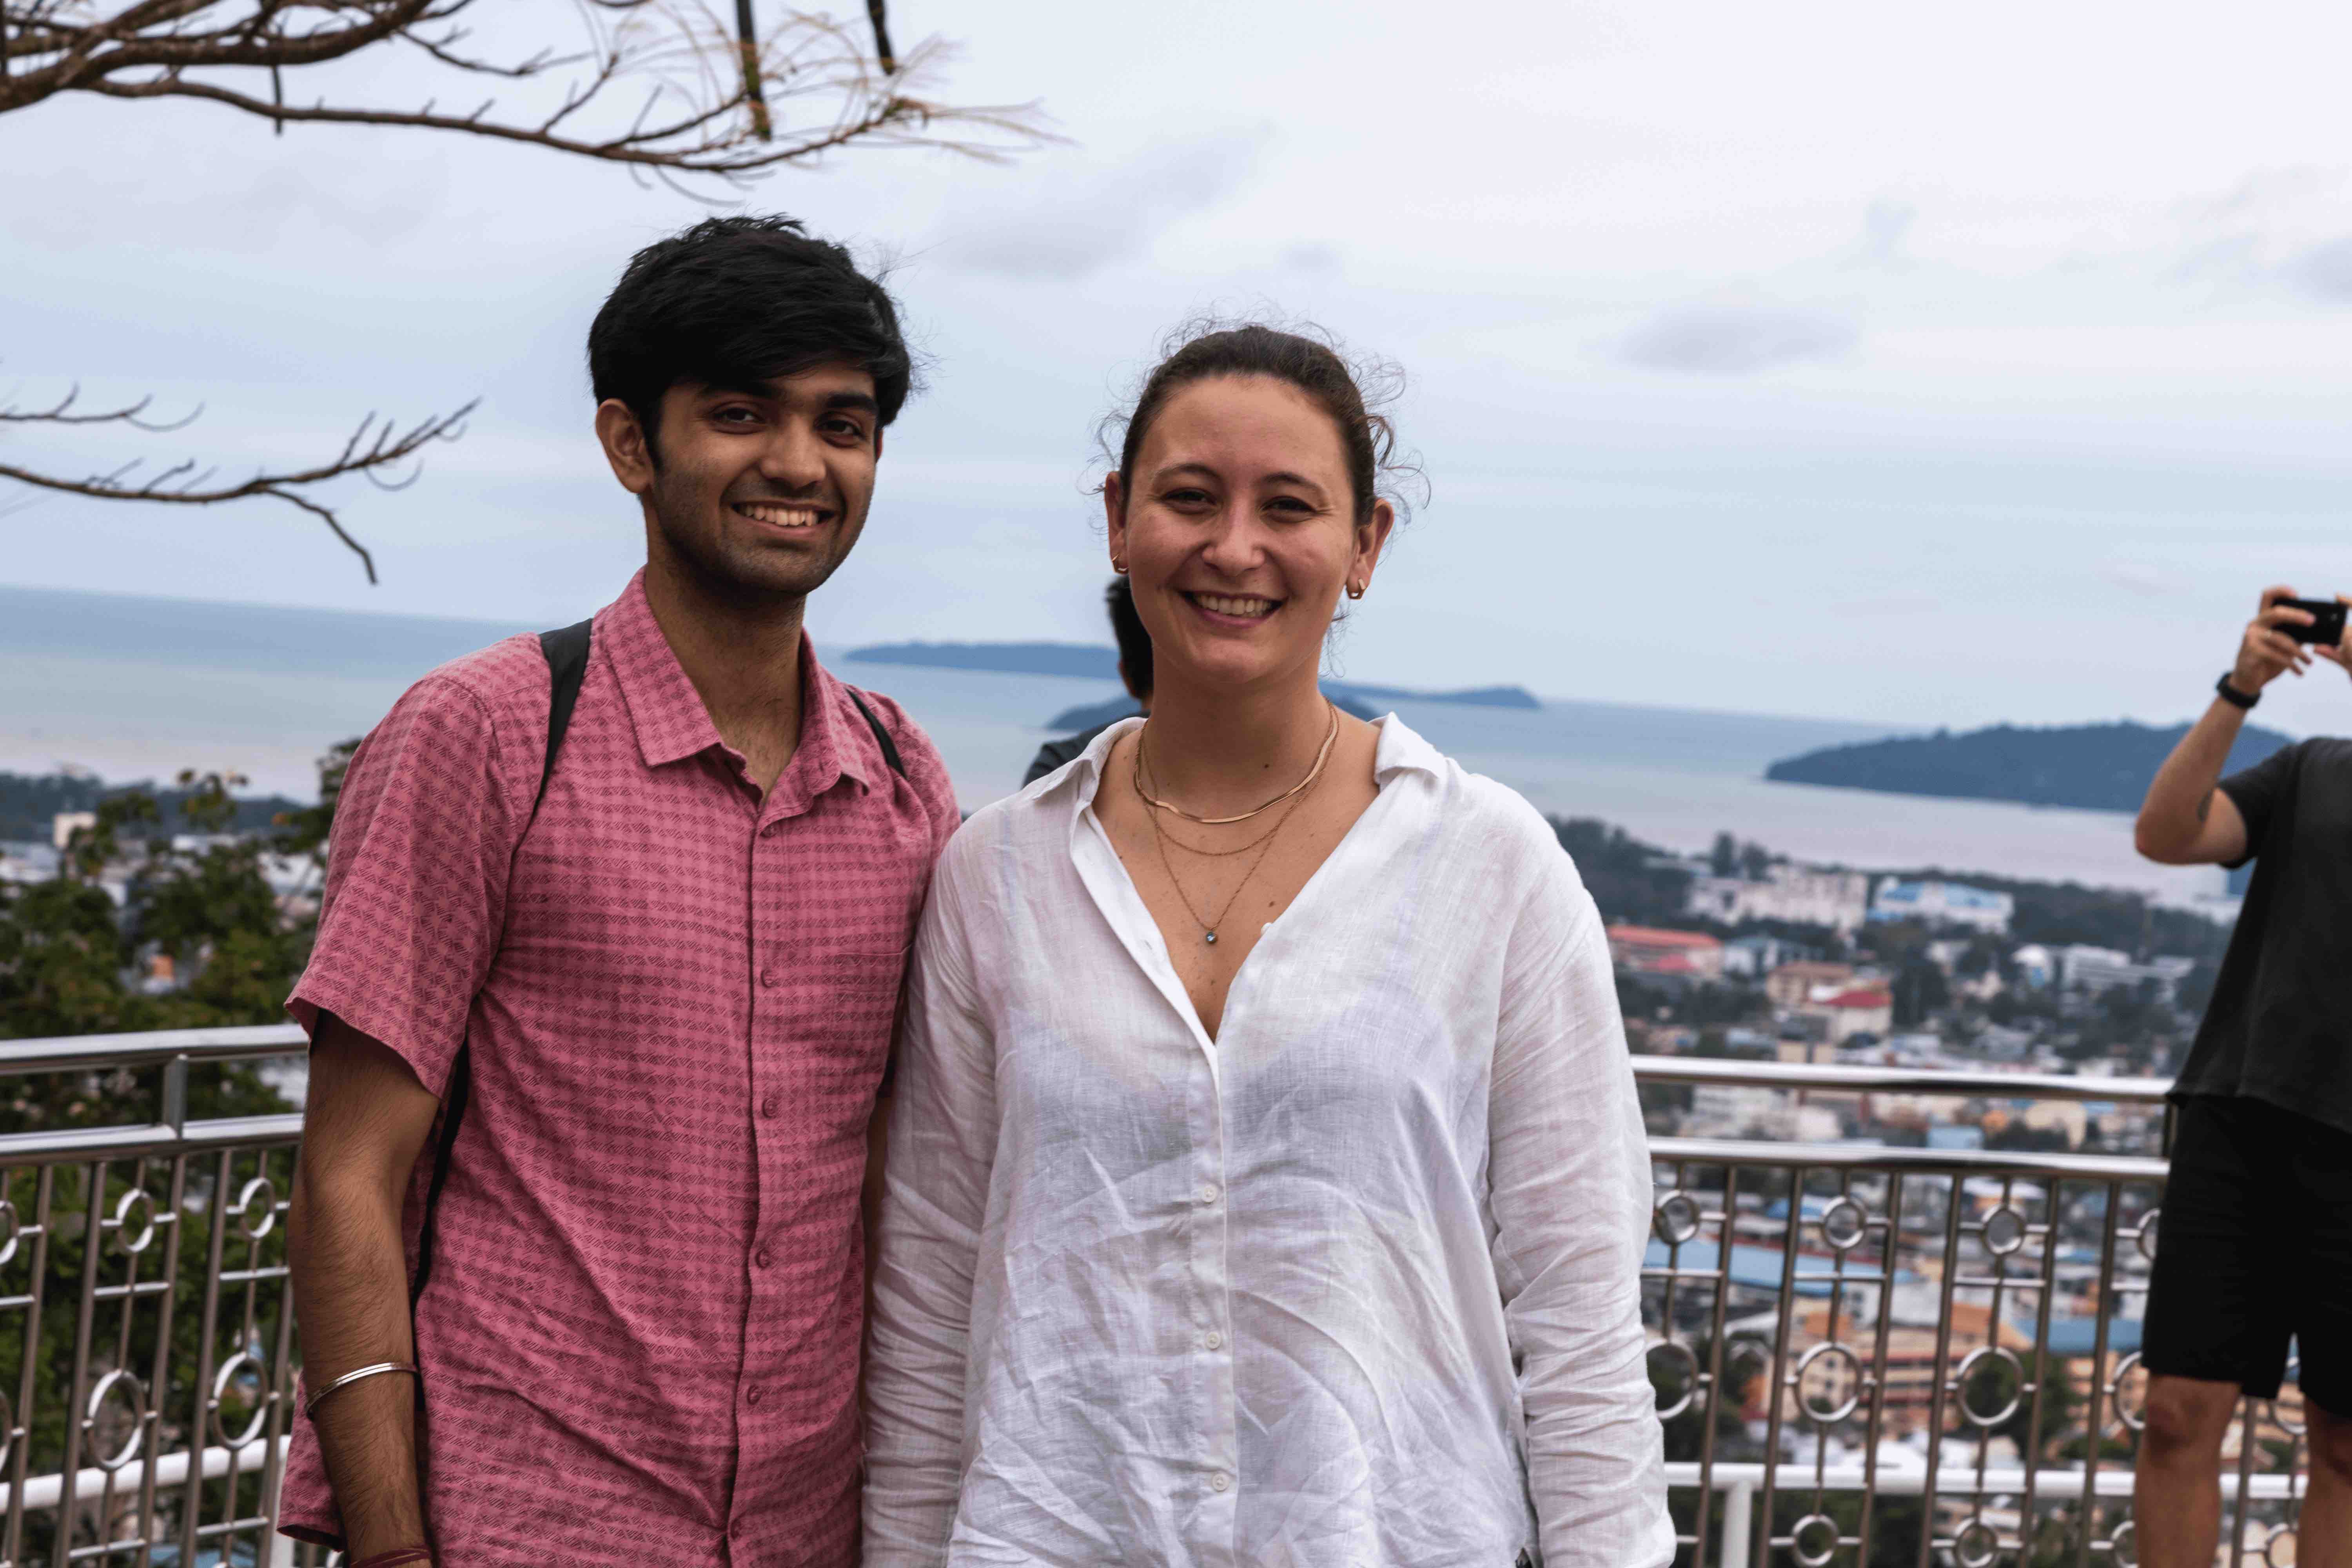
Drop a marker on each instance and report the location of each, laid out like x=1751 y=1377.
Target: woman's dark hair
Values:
x=737 y=301
x=1134 y=642
x=1352 y=395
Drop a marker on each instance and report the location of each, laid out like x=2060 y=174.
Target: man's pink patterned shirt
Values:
x=641 y=1339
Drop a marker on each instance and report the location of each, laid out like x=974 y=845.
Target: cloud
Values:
x=1111 y=217
x=1737 y=340
x=2142 y=577
x=2326 y=269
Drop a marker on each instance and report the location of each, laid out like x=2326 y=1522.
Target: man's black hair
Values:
x=1134 y=642
x=737 y=303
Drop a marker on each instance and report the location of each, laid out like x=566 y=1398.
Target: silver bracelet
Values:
x=311 y=1403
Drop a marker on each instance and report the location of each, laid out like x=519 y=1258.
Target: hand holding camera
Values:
x=2285 y=634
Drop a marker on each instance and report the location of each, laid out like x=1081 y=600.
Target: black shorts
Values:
x=2254 y=1249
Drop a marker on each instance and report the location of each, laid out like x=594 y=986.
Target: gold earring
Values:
x=1354 y=591
x=1119 y=566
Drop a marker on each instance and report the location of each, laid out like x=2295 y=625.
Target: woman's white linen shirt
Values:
x=1355 y=1284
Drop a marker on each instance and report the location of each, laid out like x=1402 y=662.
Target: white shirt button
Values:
x=1212 y=1340
x=1219 y=1480
x=1208 y=1193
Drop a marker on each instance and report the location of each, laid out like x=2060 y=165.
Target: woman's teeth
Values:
x=779 y=516
x=1226 y=605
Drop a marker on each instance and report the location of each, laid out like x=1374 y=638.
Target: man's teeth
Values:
x=780 y=516
x=1224 y=604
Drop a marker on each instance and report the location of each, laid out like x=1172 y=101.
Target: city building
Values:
x=2036 y=965
x=65 y=824
x=1750 y=956
x=2094 y=970
x=1791 y=984
x=1943 y=903
x=1801 y=895
x=1851 y=1010
x=1676 y=954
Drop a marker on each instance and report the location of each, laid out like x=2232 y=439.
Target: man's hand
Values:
x=2266 y=651
x=2338 y=653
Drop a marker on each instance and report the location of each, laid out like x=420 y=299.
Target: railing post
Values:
x=176 y=1093
x=1738 y=1517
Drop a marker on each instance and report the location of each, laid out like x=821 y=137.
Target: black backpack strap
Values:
x=889 y=746
x=566 y=652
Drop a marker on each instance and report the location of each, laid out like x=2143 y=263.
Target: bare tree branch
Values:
x=376 y=448
x=665 y=89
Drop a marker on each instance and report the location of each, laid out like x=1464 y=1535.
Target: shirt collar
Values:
x=671 y=723
x=1399 y=750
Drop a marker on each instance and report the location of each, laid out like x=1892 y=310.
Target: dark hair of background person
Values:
x=1134 y=642
x=737 y=303
x=1306 y=359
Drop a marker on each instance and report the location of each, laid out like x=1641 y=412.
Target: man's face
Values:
x=759 y=491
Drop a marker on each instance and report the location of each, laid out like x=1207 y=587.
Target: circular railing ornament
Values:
x=2270 y=1546
x=1687 y=1363
x=1676 y=1218
x=2145 y=1239
x=135 y=1399
x=1844 y=1225
x=2004 y=1231
x=2295 y=1430
x=2132 y=1416
x=2123 y=1546
x=1820 y=1359
x=135 y=1198
x=1814 y=1540
x=241 y=1364
x=10 y=1228
x=1977 y=1361
x=1977 y=1545
x=257 y=1197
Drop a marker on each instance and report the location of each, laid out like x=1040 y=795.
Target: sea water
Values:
x=135 y=688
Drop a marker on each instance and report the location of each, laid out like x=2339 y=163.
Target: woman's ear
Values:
x=1115 y=519
x=1371 y=540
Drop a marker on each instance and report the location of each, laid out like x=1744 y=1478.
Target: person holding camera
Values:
x=2257 y=1218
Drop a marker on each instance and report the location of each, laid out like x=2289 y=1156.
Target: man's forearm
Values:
x=351 y=1294
x=2183 y=789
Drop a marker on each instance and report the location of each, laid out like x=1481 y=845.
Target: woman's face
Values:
x=1237 y=527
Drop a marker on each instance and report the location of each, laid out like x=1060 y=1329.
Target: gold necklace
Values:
x=1312 y=774
x=1265 y=843
x=1241 y=848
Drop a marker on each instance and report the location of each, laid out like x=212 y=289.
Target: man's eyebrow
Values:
x=865 y=403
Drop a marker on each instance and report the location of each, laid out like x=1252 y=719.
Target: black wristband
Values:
x=2231 y=695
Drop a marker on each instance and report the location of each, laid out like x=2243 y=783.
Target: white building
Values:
x=1801 y=895
x=2097 y=969
x=1943 y=903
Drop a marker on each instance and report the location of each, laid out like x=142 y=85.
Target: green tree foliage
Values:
x=192 y=888
x=1634 y=883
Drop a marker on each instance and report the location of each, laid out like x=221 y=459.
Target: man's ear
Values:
x=626 y=447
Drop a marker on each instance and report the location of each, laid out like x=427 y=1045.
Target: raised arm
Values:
x=1569 y=1169
x=2186 y=820
x=366 y=1120
x=941 y=1146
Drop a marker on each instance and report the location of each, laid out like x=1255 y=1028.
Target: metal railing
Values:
x=1895 y=1356
x=1866 y=1356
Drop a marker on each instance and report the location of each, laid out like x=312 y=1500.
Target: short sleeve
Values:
x=417 y=879
x=2258 y=793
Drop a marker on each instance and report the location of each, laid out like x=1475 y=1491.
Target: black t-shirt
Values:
x=1056 y=754
x=2279 y=1027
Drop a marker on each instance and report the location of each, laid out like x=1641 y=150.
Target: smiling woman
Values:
x=1266 y=1181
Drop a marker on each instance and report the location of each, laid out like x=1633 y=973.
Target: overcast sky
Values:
x=1918 y=364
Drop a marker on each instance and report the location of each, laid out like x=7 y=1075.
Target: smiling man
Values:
x=604 y=988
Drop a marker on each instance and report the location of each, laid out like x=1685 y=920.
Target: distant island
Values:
x=1096 y=662
x=2095 y=767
